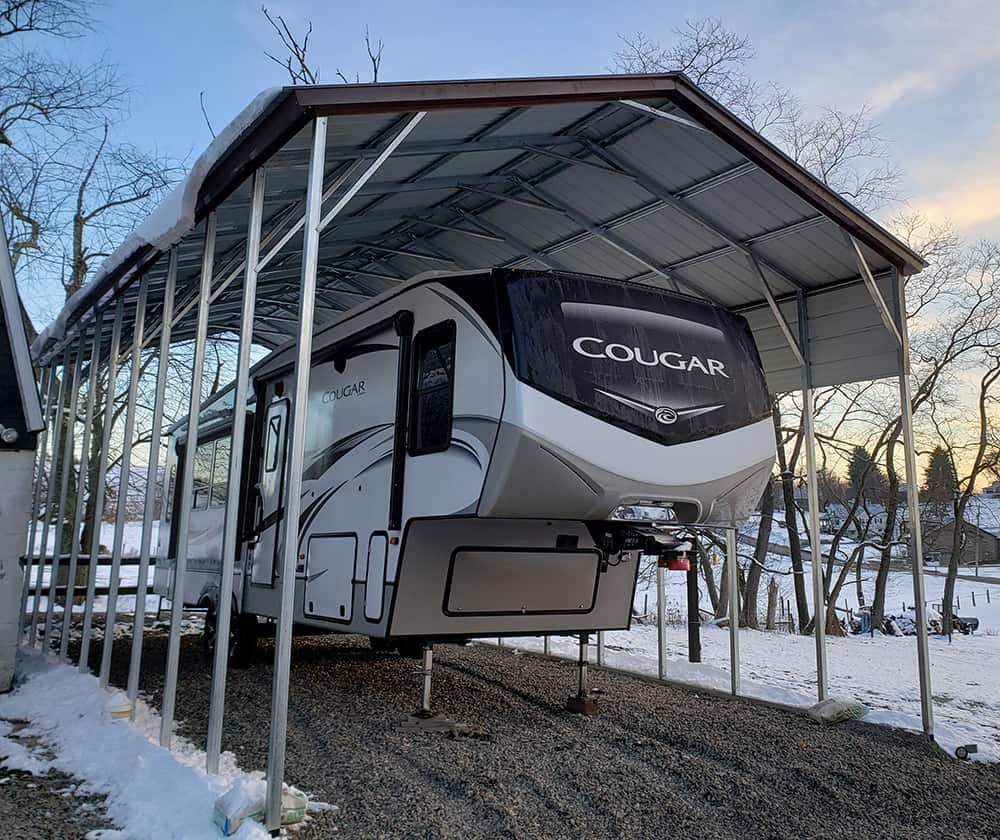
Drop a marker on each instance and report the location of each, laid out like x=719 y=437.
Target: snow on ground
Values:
x=152 y=793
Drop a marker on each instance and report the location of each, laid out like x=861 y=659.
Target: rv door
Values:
x=268 y=496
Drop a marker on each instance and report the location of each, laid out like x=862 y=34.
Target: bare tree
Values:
x=65 y=18
x=846 y=150
x=295 y=53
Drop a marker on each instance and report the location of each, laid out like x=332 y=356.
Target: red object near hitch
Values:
x=677 y=563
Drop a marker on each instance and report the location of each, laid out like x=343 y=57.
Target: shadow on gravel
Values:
x=658 y=761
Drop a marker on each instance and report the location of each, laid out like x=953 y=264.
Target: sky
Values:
x=929 y=70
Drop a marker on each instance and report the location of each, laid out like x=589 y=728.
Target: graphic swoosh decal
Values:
x=640 y=406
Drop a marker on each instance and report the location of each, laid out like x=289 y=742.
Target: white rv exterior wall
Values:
x=15 y=501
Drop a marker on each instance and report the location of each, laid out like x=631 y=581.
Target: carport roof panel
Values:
x=478 y=140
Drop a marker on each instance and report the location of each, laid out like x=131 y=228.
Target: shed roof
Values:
x=644 y=178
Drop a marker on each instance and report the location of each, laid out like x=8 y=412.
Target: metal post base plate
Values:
x=582 y=705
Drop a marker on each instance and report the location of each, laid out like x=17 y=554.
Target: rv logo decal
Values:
x=662 y=413
x=665 y=414
x=649 y=358
x=355 y=389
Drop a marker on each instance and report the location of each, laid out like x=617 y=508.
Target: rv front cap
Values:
x=597 y=348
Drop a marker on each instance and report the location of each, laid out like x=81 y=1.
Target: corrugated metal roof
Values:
x=562 y=172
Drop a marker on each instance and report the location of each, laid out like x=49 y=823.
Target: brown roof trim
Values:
x=329 y=100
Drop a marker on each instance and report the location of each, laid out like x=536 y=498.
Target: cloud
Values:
x=963 y=188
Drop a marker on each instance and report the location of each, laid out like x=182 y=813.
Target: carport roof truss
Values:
x=644 y=178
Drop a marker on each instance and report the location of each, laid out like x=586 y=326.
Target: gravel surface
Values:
x=658 y=761
x=33 y=807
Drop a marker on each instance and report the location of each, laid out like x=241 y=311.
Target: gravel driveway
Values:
x=658 y=762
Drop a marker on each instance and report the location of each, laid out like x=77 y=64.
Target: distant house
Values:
x=867 y=521
x=979 y=538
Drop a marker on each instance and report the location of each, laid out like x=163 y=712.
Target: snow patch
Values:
x=152 y=793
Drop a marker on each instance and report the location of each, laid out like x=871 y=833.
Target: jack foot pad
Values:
x=581 y=705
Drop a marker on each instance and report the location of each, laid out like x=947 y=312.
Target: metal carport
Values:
x=320 y=197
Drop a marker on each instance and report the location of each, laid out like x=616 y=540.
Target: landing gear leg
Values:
x=583 y=702
x=425 y=695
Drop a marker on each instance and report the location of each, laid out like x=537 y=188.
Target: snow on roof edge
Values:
x=167 y=224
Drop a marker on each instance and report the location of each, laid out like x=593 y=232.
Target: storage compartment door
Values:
x=378 y=548
x=521 y=581
x=329 y=589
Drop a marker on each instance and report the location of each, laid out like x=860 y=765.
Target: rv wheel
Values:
x=243 y=633
x=410 y=648
x=380 y=645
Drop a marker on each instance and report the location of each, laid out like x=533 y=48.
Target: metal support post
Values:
x=425 y=675
x=733 y=583
x=293 y=477
x=583 y=702
x=182 y=513
x=162 y=371
x=661 y=641
x=230 y=534
x=55 y=418
x=101 y=488
x=314 y=223
x=82 y=478
x=67 y=465
x=913 y=504
x=815 y=545
x=600 y=647
x=48 y=382
x=124 y=474
x=545 y=644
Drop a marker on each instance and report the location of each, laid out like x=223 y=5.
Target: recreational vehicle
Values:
x=487 y=453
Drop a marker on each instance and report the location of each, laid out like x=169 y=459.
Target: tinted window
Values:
x=433 y=389
x=202 y=475
x=663 y=365
x=220 y=472
x=273 y=436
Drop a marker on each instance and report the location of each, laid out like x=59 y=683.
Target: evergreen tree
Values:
x=864 y=476
x=940 y=479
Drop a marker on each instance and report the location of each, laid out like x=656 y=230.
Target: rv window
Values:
x=220 y=473
x=202 y=475
x=169 y=495
x=433 y=389
x=272 y=445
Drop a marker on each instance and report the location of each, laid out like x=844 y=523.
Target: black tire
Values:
x=243 y=635
x=243 y=651
x=380 y=645
x=410 y=648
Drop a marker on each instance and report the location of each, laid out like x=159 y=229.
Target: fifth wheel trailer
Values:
x=487 y=453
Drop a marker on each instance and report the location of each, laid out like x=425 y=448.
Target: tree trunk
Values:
x=857 y=581
x=749 y=617
x=772 y=604
x=791 y=525
x=709 y=574
x=891 y=508
x=722 y=608
x=948 y=598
